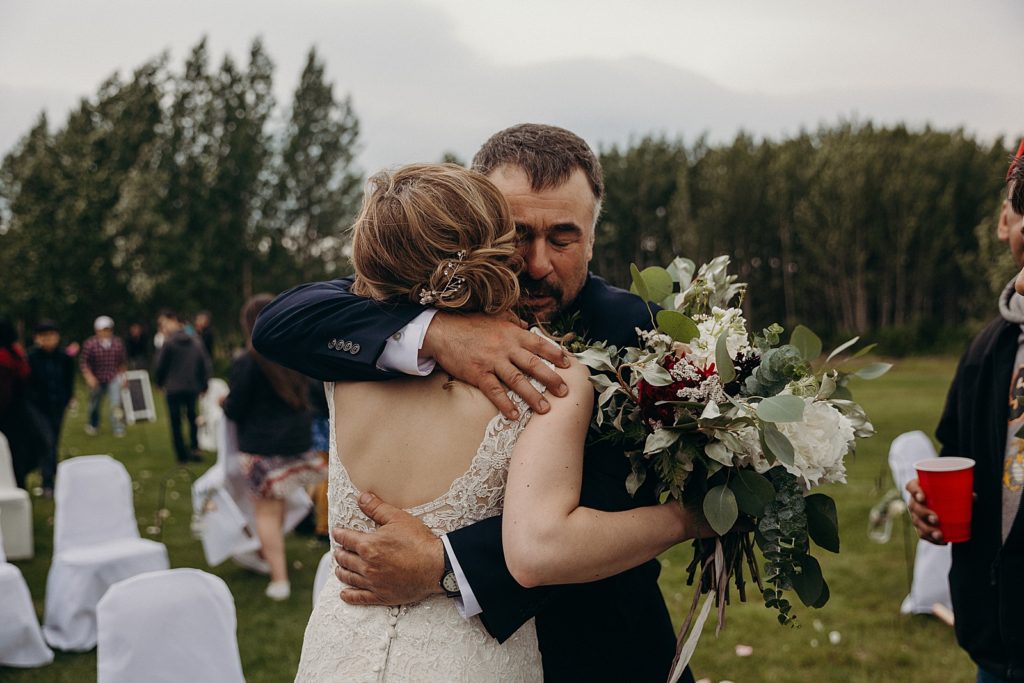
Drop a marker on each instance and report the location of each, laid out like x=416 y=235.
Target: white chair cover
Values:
x=932 y=562
x=172 y=626
x=21 y=641
x=96 y=543
x=211 y=413
x=323 y=572
x=223 y=504
x=16 y=509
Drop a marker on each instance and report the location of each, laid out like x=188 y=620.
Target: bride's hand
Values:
x=401 y=562
x=495 y=355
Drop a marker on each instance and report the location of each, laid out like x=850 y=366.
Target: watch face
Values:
x=450 y=583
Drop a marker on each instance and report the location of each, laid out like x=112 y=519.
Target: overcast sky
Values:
x=429 y=76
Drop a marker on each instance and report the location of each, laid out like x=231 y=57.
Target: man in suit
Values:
x=611 y=630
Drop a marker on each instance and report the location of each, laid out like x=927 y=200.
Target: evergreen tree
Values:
x=318 y=184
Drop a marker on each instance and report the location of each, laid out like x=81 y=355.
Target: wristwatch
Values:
x=449 y=584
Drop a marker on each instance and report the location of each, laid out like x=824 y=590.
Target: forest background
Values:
x=193 y=188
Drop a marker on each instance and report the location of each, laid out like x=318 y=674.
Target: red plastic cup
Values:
x=948 y=486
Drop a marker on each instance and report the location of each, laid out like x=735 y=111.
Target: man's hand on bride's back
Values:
x=401 y=562
x=496 y=355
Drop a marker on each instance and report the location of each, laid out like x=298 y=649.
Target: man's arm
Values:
x=324 y=331
x=402 y=562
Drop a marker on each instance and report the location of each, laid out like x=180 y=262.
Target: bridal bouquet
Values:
x=737 y=424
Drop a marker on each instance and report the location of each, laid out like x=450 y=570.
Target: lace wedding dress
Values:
x=428 y=640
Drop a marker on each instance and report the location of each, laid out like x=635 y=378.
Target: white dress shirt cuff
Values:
x=402 y=349
x=467 y=604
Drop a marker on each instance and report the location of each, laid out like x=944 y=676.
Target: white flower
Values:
x=820 y=442
x=730 y=320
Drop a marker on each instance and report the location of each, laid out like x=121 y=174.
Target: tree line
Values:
x=193 y=189
x=187 y=189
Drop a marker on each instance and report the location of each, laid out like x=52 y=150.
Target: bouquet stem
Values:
x=718 y=567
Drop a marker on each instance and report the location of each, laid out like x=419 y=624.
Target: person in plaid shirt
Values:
x=102 y=361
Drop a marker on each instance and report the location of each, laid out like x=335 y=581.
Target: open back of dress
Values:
x=428 y=640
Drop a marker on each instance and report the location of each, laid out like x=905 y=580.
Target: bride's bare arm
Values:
x=547 y=536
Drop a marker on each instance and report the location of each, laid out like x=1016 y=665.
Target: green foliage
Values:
x=753 y=491
x=808 y=343
x=677 y=325
x=781 y=409
x=852 y=229
x=823 y=521
x=721 y=509
x=173 y=189
x=778 y=367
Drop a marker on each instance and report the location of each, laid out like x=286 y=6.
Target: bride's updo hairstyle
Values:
x=439 y=235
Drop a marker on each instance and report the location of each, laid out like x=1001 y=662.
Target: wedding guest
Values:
x=204 y=330
x=17 y=421
x=982 y=420
x=50 y=388
x=136 y=347
x=102 y=362
x=270 y=406
x=182 y=371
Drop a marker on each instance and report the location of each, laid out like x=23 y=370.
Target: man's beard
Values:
x=530 y=288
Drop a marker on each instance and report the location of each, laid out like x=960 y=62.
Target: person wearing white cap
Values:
x=102 y=362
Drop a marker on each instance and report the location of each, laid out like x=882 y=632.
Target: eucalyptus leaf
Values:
x=863 y=352
x=807 y=342
x=809 y=583
x=775 y=442
x=873 y=371
x=842 y=347
x=825 y=595
x=753 y=491
x=655 y=375
x=596 y=359
x=678 y=326
x=660 y=439
x=720 y=509
x=639 y=287
x=822 y=521
x=717 y=451
x=659 y=283
x=723 y=363
x=784 y=408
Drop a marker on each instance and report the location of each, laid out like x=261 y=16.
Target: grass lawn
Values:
x=868 y=581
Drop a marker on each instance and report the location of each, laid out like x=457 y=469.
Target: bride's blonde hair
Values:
x=437 y=234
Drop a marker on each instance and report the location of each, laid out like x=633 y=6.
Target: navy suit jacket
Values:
x=617 y=629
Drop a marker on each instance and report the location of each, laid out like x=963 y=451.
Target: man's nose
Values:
x=538 y=259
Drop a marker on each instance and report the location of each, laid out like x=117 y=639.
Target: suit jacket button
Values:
x=397 y=336
x=346 y=346
x=331 y=344
x=355 y=349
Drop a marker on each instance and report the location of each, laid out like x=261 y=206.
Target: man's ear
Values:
x=1003 y=229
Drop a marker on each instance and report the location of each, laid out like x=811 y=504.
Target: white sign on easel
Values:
x=137 y=397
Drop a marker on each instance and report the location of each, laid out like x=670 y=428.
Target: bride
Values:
x=442 y=236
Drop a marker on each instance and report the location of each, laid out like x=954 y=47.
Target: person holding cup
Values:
x=982 y=422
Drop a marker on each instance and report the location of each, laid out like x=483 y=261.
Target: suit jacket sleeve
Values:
x=322 y=330
x=506 y=605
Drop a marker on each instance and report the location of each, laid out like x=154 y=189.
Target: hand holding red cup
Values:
x=948 y=486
